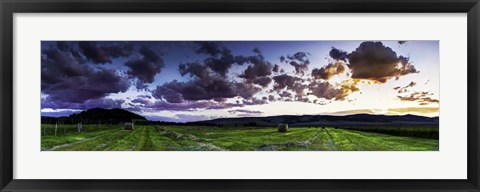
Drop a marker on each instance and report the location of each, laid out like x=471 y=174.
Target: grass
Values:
x=425 y=131
x=191 y=138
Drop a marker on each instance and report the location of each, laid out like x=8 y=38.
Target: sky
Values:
x=184 y=81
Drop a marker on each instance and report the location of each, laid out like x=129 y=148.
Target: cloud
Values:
x=285 y=81
x=262 y=81
x=203 y=89
x=93 y=52
x=208 y=83
x=142 y=101
x=422 y=97
x=328 y=71
x=192 y=118
x=195 y=69
x=255 y=101
x=145 y=68
x=401 y=42
x=376 y=62
x=185 y=106
x=326 y=90
x=245 y=111
x=221 y=58
x=338 y=54
x=258 y=71
x=349 y=86
x=88 y=104
x=424 y=111
x=285 y=94
x=405 y=88
x=411 y=110
x=212 y=48
x=275 y=68
x=119 y=50
x=100 y=54
x=271 y=98
x=299 y=61
x=58 y=113
x=65 y=79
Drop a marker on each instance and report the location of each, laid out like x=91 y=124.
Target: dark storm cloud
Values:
x=275 y=68
x=145 y=68
x=203 y=89
x=65 y=79
x=195 y=70
x=69 y=48
x=328 y=71
x=208 y=83
x=302 y=99
x=258 y=70
x=63 y=46
x=271 y=98
x=263 y=81
x=209 y=47
x=118 y=50
x=101 y=54
x=298 y=60
x=374 y=61
x=285 y=81
x=299 y=56
x=169 y=93
x=326 y=90
x=421 y=97
x=221 y=58
x=93 y=52
x=338 y=54
x=285 y=94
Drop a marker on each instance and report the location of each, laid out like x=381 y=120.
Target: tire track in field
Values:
x=148 y=144
x=274 y=147
x=331 y=142
x=200 y=146
x=70 y=144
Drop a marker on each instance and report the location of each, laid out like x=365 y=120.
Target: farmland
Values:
x=211 y=138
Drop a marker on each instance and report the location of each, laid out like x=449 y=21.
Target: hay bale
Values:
x=128 y=126
x=283 y=128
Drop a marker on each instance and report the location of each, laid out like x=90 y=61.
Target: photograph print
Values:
x=316 y=95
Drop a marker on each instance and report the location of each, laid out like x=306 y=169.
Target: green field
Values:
x=190 y=138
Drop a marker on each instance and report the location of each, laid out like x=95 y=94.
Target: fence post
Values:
x=56 y=126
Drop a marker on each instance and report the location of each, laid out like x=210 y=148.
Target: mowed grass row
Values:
x=329 y=139
x=63 y=129
x=180 y=138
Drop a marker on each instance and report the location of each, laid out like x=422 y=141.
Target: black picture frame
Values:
x=9 y=7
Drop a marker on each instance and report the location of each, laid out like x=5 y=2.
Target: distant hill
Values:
x=326 y=120
x=96 y=115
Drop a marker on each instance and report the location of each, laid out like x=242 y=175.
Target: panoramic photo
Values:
x=240 y=95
